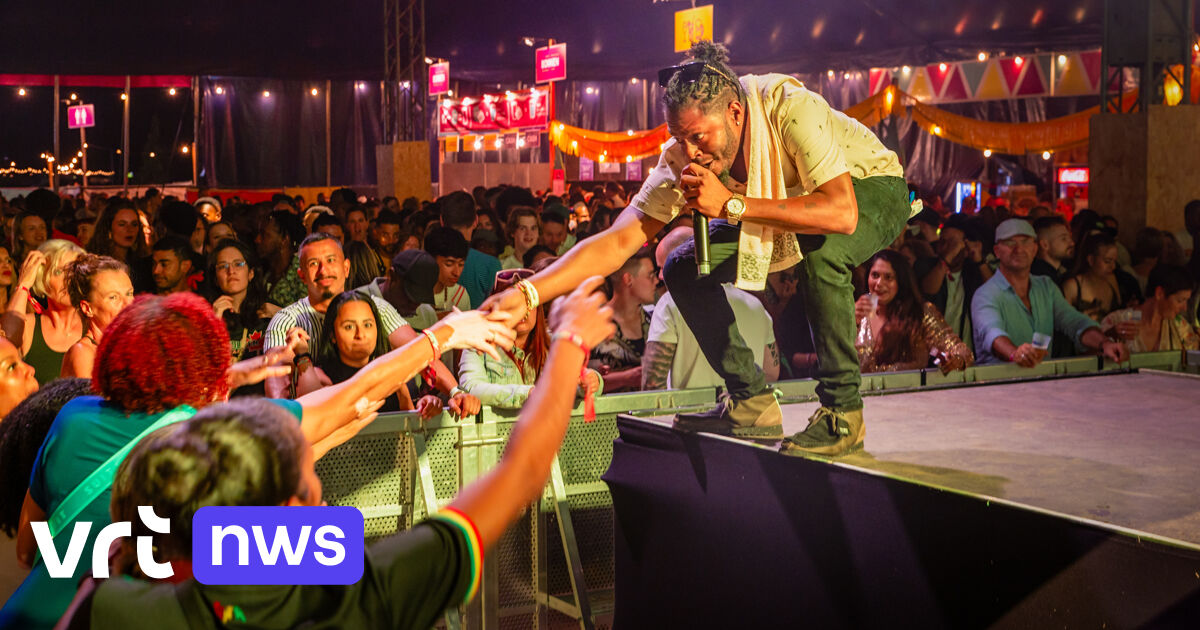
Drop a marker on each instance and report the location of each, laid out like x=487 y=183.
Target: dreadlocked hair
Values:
x=709 y=92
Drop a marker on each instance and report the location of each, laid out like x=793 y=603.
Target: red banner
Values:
x=527 y=109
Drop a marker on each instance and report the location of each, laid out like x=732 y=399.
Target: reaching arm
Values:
x=327 y=409
x=495 y=500
x=600 y=254
x=444 y=381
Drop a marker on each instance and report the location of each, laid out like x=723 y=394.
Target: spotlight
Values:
x=266 y=93
x=73 y=96
x=987 y=153
x=528 y=41
x=633 y=80
x=982 y=56
x=942 y=67
x=125 y=96
x=219 y=90
x=152 y=154
x=498 y=143
x=829 y=74
x=20 y=91
x=428 y=60
x=450 y=93
x=314 y=91
x=1018 y=60
x=937 y=131
x=1045 y=155
x=171 y=91
x=906 y=69
x=184 y=149
x=1062 y=59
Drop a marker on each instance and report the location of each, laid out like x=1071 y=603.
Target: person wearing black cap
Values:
x=408 y=287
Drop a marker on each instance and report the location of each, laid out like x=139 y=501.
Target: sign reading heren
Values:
x=439 y=78
x=277 y=545
x=551 y=63
x=693 y=25
x=81 y=116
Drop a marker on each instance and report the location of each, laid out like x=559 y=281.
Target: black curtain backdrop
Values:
x=255 y=140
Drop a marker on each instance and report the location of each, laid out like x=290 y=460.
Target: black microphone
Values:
x=700 y=236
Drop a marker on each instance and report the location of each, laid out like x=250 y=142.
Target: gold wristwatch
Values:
x=734 y=208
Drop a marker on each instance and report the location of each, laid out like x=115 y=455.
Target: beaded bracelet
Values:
x=532 y=299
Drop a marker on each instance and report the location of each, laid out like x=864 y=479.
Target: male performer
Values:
x=765 y=159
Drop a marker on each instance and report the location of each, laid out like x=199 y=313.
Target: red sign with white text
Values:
x=439 y=78
x=528 y=109
x=550 y=63
x=1073 y=174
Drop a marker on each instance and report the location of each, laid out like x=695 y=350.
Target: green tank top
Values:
x=47 y=364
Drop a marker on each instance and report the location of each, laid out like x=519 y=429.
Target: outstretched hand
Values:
x=482 y=331
x=274 y=362
x=511 y=302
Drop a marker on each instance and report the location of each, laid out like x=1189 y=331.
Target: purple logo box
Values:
x=277 y=545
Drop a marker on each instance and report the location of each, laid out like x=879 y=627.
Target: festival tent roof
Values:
x=612 y=39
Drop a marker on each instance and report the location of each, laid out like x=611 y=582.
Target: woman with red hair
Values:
x=160 y=360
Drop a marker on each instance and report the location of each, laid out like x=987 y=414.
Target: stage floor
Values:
x=1120 y=449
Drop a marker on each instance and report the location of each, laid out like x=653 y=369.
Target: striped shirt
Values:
x=302 y=314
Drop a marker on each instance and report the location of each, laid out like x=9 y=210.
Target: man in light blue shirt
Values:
x=1013 y=305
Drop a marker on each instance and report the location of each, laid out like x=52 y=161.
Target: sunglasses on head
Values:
x=691 y=72
x=508 y=277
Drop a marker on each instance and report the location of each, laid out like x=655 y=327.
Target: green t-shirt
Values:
x=408 y=581
x=87 y=431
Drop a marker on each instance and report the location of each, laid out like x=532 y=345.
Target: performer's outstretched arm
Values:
x=599 y=255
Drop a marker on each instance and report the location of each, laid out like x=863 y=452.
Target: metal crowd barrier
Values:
x=558 y=559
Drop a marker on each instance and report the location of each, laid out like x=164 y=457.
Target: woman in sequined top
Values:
x=907 y=331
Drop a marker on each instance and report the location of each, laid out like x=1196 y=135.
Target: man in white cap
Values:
x=1013 y=306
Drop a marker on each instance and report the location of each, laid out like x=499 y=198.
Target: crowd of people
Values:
x=125 y=311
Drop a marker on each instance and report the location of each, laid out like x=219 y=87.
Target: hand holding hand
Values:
x=511 y=302
x=703 y=191
x=584 y=313
x=482 y=331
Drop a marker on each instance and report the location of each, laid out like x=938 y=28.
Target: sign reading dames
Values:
x=81 y=116
x=277 y=545
x=439 y=78
x=551 y=63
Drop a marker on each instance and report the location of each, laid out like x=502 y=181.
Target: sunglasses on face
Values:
x=691 y=72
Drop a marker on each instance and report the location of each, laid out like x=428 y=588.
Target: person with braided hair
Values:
x=782 y=176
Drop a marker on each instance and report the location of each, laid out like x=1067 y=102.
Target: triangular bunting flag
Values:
x=920 y=88
x=1031 y=84
x=972 y=71
x=956 y=89
x=1043 y=64
x=880 y=78
x=991 y=86
x=937 y=76
x=1073 y=78
x=1091 y=64
x=1012 y=71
